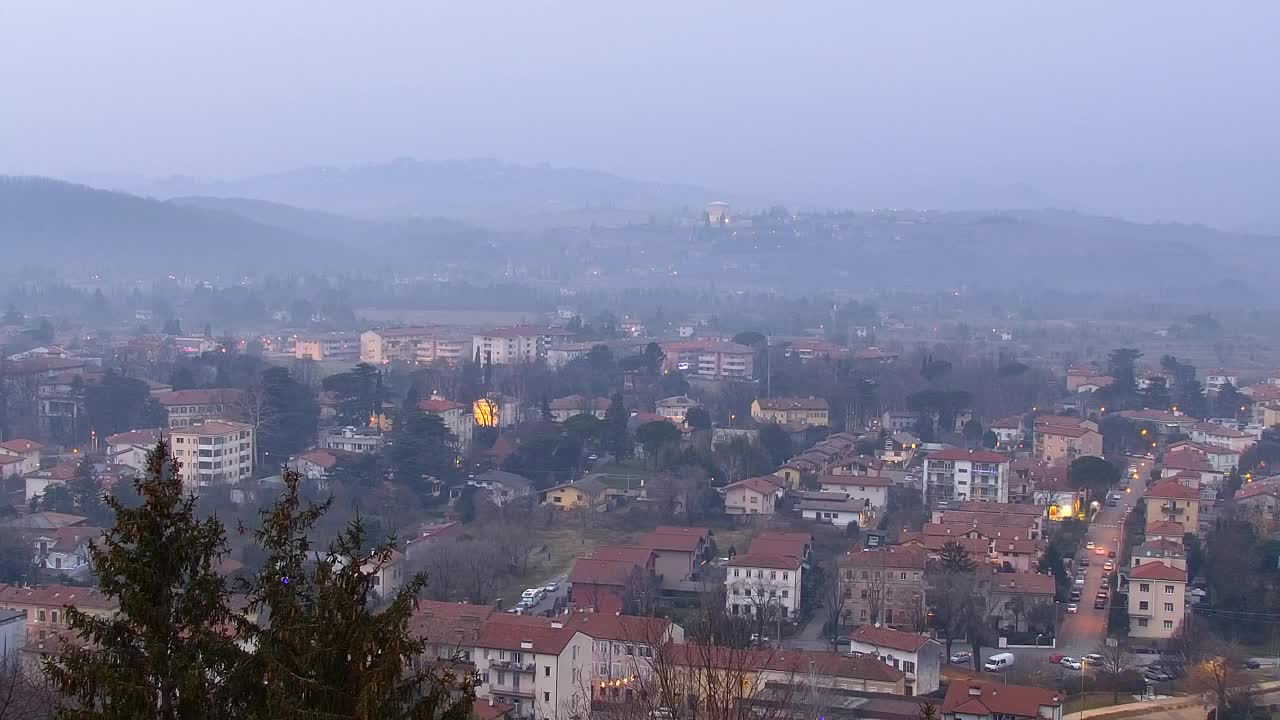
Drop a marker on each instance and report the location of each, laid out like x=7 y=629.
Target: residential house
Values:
x=757 y=584
x=900 y=448
x=1062 y=443
x=456 y=418
x=675 y=408
x=1216 y=380
x=835 y=508
x=873 y=489
x=1015 y=595
x=1028 y=516
x=1017 y=554
x=1008 y=432
x=589 y=492
x=605 y=581
x=918 y=656
x=1259 y=502
x=1169 y=552
x=27 y=453
x=1221 y=435
x=422 y=538
x=387 y=571
x=978 y=700
x=1221 y=458
x=45 y=606
x=623 y=649
x=753 y=496
x=563 y=408
x=191 y=407
x=813 y=412
x=886 y=586
x=538 y=666
x=1190 y=468
x=1173 y=501
x=1160 y=422
x=954 y=474
x=213 y=452
x=678 y=551
x=503 y=487
x=35 y=483
x=315 y=464
x=1164 y=530
x=64 y=549
x=1157 y=600
x=330 y=346
x=897 y=421
x=703 y=669
x=131 y=448
x=709 y=359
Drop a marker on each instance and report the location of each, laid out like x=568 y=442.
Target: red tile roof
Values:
x=56 y=595
x=895 y=557
x=211 y=427
x=638 y=555
x=11 y=459
x=607 y=626
x=1023 y=584
x=21 y=445
x=1255 y=489
x=800 y=662
x=887 y=637
x=974 y=697
x=590 y=571
x=978 y=548
x=438 y=405
x=482 y=709
x=1186 y=460
x=1202 y=448
x=1157 y=571
x=1219 y=430
x=762 y=485
x=136 y=437
x=1071 y=432
x=1172 y=490
x=514 y=636
x=1165 y=527
x=959 y=454
x=760 y=560
x=673 y=539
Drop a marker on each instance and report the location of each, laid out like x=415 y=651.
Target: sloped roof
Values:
x=56 y=595
x=1165 y=527
x=591 y=571
x=888 y=637
x=148 y=436
x=675 y=539
x=960 y=454
x=204 y=396
x=991 y=699
x=1172 y=490
x=438 y=405
x=21 y=445
x=861 y=480
x=761 y=485
x=1023 y=584
x=45 y=521
x=1157 y=571
x=761 y=560
x=793 y=403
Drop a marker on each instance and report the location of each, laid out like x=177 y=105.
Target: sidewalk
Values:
x=1173 y=703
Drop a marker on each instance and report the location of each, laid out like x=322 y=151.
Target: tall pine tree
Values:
x=327 y=654
x=166 y=653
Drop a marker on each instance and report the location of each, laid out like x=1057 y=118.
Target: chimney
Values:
x=526 y=644
x=557 y=624
x=490 y=701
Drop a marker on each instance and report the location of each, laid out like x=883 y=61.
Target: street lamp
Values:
x=1082 y=665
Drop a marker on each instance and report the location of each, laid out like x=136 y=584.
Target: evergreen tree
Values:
x=955 y=559
x=545 y=407
x=615 y=421
x=87 y=496
x=165 y=654
x=327 y=653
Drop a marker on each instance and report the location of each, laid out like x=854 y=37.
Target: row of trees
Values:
x=176 y=649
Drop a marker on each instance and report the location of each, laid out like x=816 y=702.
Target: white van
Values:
x=999 y=661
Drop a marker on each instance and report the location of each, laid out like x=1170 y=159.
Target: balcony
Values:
x=523 y=690
x=513 y=666
x=1135 y=612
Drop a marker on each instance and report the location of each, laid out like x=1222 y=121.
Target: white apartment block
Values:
x=542 y=671
x=763 y=584
x=1157 y=600
x=510 y=346
x=414 y=345
x=959 y=475
x=212 y=453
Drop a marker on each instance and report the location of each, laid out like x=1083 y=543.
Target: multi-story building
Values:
x=709 y=359
x=757 y=584
x=1157 y=600
x=519 y=344
x=622 y=651
x=213 y=452
x=383 y=345
x=189 y=407
x=1221 y=435
x=26 y=452
x=675 y=408
x=327 y=346
x=1260 y=502
x=783 y=410
x=1064 y=443
x=563 y=408
x=455 y=416
x=540 y=667
x=46 y=605
x=131 y=448
x=918 y=656
x=1172 y=501
x=1008 y=432
x=351 y=439
x=1221 y=459
x=754 y=496
x=885 y=586
x=953 y=474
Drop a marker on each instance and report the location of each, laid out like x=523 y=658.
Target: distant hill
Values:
x=487 y=193
x=44 y=220
x=439 y=238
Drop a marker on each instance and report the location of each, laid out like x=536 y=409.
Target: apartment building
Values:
x=814 y=412
x=757 y=584
x=383 y=345
x=1064 y=443
x=213 y=452
x=25 y=456
x=1157 y=600
x=1171 y=501
x=455 y=416
x=709 y=359
x=332 y=346
x=132 y=447
x=885 y=586
x=45 y=606
x=954 y=474
x=189 y=407
x=539 y=667
x=918 y=656
x=514 y=345
x=352 y=440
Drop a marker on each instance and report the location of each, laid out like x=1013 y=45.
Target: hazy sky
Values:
x=1161 y=109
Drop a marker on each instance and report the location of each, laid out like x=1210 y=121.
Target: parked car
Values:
x=1252 y=664
x=1099 y=551
x=1070 y=662
x=1089 y=545
x=1084 y=561
x=962 y=657
x=1142 y=650
x=1100 y=604
x=551 y=587
x=1079 y=582
x=1155 y=675
x=1094 y=659
x=1111 y=553
x=1075 y=595
x=1108 y=566
x=1056 y=658
x=1072 y=608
